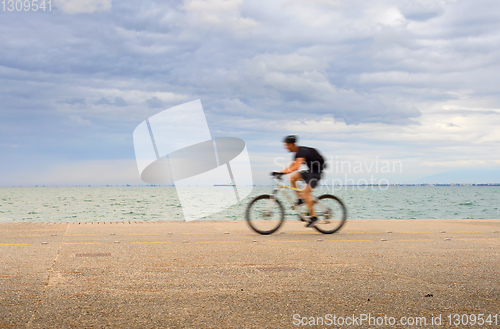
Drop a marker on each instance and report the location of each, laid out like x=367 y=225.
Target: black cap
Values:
x=290 y=139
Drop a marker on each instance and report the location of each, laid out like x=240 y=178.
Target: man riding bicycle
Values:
x=315 y=164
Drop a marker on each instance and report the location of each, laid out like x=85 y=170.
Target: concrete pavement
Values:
x=221 y=275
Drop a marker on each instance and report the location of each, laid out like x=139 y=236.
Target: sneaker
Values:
x=312 y=221
x=299 y=202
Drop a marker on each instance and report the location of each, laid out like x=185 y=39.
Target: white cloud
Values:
x=82 y=6
x=395 y=77
x=387 y=16
x=88 y=172
x=302 y=83
x=293 y=63
x=126 y=103
x=79 y=120
x=217 y=13
x=455 y=164
x=415 y=79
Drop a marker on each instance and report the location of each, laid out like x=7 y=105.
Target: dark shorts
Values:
x=310 y=178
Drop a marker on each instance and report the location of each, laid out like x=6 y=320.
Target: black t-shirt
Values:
x=314 y=160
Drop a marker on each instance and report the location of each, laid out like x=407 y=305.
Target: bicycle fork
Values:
x=269 y=206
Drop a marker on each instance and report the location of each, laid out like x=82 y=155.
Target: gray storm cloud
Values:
x=74 y=82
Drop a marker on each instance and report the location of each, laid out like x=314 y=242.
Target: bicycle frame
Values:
x=279 y=187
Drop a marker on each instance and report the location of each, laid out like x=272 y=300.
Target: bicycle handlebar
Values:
x=277 y=175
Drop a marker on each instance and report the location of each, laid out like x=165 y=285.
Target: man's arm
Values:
x=294 y=166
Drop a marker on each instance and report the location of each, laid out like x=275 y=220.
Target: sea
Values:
x=160 y=203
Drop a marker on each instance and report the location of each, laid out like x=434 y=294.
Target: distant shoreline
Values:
x=357 y=185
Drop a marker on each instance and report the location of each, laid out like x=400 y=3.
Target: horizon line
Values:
x=258 y=185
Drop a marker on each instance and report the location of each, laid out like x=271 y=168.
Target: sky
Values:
x=391 y=91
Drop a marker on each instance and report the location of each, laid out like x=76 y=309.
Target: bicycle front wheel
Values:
x=331 y=214
x=265 y=214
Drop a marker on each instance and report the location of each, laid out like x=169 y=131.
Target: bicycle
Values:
x=265 y=213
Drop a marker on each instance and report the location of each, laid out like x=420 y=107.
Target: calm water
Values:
x=56 y=204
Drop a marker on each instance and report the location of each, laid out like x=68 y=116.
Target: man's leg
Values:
x=293 y=180
x=309 y=200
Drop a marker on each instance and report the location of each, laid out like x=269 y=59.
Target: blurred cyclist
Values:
x=315 y=164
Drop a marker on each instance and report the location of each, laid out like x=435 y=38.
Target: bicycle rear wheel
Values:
x=265 y=214
x=331 y=214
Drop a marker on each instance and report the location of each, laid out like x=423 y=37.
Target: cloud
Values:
x=301 y=84
x=410 y=79
x=217 y=14
x=82 y=6
x=103 y=101
x=79 y=120
x=422 y=10
x=74 y=101
x=88 y=172
x=119 y=101
x=154 y=102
